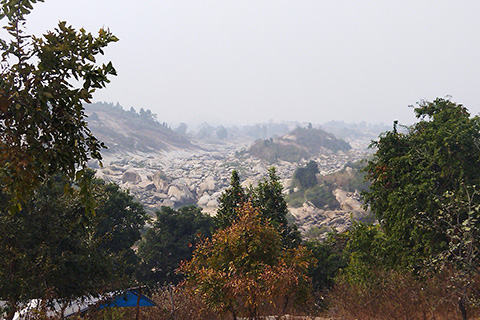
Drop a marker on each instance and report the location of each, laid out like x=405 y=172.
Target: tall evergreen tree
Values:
x=267 y=197
x=231 y=200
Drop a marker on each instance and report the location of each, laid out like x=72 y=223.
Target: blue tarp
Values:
x=127 y=299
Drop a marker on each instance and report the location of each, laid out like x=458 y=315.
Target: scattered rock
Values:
x=207 y=185
x=180 y=177
x=131 y=177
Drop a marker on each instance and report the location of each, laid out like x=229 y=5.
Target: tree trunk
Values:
x=462 y=308
x=12 y=308
x=139 y=292
x=10 y=315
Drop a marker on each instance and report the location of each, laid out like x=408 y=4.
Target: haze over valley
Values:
x=164 y=166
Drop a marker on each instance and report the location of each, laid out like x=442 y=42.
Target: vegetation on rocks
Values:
x=309 y=186
x=299 y=144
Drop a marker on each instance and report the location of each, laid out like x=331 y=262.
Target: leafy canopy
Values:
x=171 y=239
x=244 y=269
x=412 y=170
x=43 y=83
x=51 y=249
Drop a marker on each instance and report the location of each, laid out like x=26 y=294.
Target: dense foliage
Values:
x=51 y=249
x=43 y=83
x=244 y=269
x=267 y=197
x=423 y=192
x=120 y=220
x=423 y=189
x=331 y=257
x=412 y=171
x=170 y=240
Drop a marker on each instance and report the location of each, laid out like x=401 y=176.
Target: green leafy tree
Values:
x=330 y=258
x=171 y=239
x=410 y=171
x=120 y=221
x=51 y=249
x=245 y=271
x=368 y=251
x=43 y=83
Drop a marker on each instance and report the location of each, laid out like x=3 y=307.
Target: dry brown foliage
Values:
x=398 y=296
x=244 y=270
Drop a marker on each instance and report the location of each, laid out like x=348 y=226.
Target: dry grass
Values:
x=393 y=296
x=398 y=296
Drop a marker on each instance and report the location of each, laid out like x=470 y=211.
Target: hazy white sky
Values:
x=245 y=61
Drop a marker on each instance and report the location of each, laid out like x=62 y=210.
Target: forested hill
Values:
x=301 y=143
x=132 y=131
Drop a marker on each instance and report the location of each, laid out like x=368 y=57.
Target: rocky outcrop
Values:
x=164 y=167
x=131 y=177
x=208 y=185
x=160 y=182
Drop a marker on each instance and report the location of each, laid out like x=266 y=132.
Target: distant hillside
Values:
x=301 y=143
x=123 y=130
x=363 y=129
x=207 y=132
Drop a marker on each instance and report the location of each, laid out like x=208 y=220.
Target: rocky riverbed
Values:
x=199 y=175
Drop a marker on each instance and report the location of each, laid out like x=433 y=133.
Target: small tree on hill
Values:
x=307 y=177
